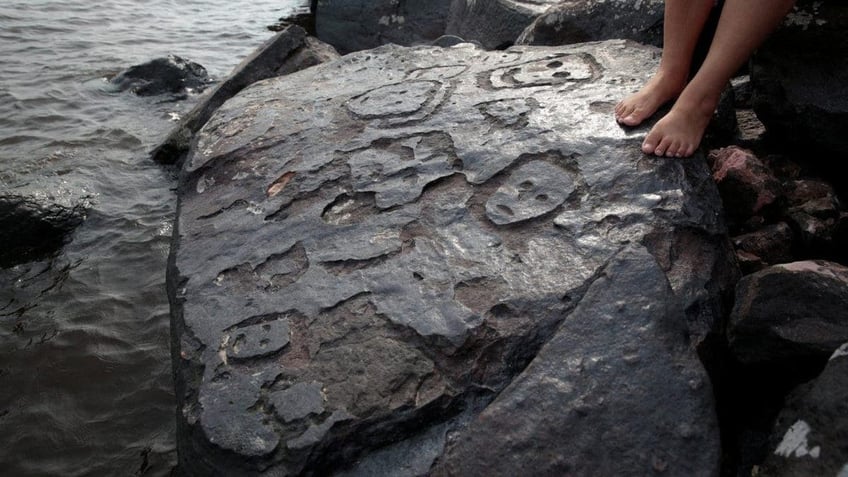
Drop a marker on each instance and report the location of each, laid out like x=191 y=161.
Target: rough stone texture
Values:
x=747 y=186
x=749 y=130
x=769 y=245
x=811 y=433
x=286 y=52
x=404 y=229
x=171 y=75
x=353 y=25
x=800 y=84
x=32 y=228
x=618 y=355
x=312 y=52
x=576 y=21
x=789 y=312
x=494 y=23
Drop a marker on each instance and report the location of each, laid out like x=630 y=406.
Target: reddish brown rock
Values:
x=747 y=186
x=769 y=245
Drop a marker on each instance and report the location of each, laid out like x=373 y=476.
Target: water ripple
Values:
x=84 y=359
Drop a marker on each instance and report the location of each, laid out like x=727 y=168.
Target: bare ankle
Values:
x=669 y=80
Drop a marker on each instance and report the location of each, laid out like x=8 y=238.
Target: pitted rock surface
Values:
x=370 y=251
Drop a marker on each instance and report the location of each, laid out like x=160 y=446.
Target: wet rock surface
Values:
x=370 y=254
x=575 y=21
x=32 y=228
x=172 y=75
x=288 y=51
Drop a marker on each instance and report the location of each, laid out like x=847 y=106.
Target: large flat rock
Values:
x=377 y=257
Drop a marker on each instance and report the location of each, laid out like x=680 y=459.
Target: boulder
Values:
x=287 y=51
x=747 y=186
x=576 y=21
x=618 y=354
x=32 y=228
x=799 y=90
x=811 y=432
x=769 y=245
x=814 y=197
x=172 y=75
x=494 y=23
x=353 y=25
x=813 y=211
x=790 y=312
x=375 y=257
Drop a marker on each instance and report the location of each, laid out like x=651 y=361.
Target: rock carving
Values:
x=370 y=254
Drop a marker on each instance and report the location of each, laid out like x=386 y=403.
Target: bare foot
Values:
x=638 y=107
x=679 y=132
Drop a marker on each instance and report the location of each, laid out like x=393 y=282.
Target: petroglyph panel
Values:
x=382 y=244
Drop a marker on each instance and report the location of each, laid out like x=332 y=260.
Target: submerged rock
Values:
x=32 y=229
x=171 y=75
x=391 y=258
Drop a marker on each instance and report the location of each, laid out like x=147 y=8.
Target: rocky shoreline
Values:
x=453 y=262
x=444 y=257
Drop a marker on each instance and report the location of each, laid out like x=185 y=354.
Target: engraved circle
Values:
x=394 y=99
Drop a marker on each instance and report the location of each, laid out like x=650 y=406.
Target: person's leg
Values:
x=742 y=27
x=683 y=22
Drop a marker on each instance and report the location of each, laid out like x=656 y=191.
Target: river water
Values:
x=85 y=373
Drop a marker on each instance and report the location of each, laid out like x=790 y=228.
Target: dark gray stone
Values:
x=576 y=21
x=286 y=52
x=790 y=312
x=298 y=401
x=811 y=433
x=353 y=25
x=494 y=23
x=424 y=220
x=799 y=84
x=32 y=228
x=171 y=75
x=621 y=353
